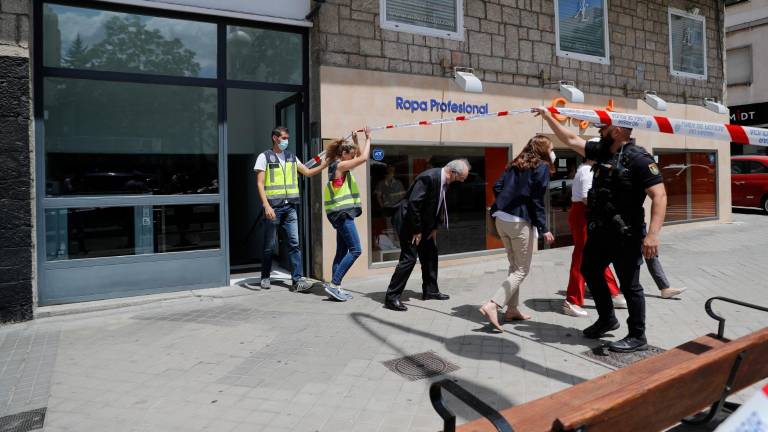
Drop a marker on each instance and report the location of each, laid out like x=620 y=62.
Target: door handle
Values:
x=739 y=183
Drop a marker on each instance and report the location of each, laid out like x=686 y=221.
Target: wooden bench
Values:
x=650 y=395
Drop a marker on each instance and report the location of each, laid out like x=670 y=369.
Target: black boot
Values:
x=599 y=328
x=629 y=344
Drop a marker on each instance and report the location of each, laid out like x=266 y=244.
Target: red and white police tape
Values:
x=699 y=129
x=705 y=130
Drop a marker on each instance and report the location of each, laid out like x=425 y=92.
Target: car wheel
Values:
x=764 y=204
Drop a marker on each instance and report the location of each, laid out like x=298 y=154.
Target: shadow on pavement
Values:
x=379 y=296
x=476 y=347
x=544 y=304
x=485 y=394
x=540 y=332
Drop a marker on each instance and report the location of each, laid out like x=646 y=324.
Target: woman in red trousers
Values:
x=577 y=219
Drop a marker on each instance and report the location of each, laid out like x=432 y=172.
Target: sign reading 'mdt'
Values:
x=414 y=105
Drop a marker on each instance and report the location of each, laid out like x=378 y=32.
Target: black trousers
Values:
x=426 y=252
x=601 y=250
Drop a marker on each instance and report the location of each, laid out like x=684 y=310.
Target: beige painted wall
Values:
x=757 y=92
x=352 y=98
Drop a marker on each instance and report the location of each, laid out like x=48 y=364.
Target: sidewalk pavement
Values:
x=252 y=360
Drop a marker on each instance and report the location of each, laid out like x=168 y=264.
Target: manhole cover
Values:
x=419 y=366
x=619 y=360
x=23 y=422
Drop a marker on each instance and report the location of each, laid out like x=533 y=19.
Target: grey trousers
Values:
x=657 y=273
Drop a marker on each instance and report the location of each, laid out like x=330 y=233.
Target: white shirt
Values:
x=506 y=217
x=442 y=190
x=261 y=161
x=582 y=183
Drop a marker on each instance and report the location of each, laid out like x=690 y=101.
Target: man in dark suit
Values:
x=416 y=220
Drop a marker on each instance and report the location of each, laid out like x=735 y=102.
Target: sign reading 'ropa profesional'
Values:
x=414 y=105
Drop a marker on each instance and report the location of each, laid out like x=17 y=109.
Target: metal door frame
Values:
x=213 y=264
x=303 y=152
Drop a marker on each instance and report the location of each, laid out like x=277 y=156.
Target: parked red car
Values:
x=749 y=181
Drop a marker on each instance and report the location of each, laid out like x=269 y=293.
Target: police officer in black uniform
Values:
x=616 y=232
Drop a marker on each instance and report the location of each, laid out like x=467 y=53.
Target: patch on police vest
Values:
x=653 y=168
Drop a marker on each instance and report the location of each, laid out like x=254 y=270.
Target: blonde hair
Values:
x=339 y=146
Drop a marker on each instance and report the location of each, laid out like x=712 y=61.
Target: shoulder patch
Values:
x=653 y=168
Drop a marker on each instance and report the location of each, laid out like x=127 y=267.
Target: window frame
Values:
x=579 y=56
x=220 y=82
x=748 y=82
x=206 y=267
x=659 y=151
x=458 y=35
x=703 y=20
x=369 y=197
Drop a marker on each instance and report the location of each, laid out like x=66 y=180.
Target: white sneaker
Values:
x=302 y=285
x=619 y=302
x=574 y=310
x=668 y=293
x=265 y=283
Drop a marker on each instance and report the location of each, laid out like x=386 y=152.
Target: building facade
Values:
x=746 y=27
x=380 y=62
x=130 y=128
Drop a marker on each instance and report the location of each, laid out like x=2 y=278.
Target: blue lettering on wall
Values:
x=436 y=105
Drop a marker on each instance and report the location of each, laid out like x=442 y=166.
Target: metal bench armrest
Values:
x=721 y=320
x=449 y=419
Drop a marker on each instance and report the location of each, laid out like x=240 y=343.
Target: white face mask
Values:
x=283 y=144
x=552 y=156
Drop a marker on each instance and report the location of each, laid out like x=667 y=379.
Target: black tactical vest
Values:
x=610 y=207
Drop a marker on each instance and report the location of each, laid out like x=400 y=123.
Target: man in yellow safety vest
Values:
x=277 y=179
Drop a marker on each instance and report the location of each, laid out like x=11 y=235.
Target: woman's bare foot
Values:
x=515 y=315
x=489 y=312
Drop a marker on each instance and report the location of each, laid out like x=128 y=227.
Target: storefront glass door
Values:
x=252 y=115
x=139 y=190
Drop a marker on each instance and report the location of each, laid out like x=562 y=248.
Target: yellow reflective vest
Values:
x=344 y=199
x=281 y=182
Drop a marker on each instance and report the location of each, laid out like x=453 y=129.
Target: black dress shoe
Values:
x=599 y=328
x=629 y=344
x=395 y=306
x=435 y=296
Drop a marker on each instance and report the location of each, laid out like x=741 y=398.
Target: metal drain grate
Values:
x=619 y=360
x=23 y=422
x=419 y=366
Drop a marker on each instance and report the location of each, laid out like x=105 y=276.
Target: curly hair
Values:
x=533 y=154
x=339 y=146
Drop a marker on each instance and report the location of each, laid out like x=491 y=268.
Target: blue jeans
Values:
x=347 y=248
x=285 y=218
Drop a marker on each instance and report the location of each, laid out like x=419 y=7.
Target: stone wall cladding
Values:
x=16 y=299
x=513 y=41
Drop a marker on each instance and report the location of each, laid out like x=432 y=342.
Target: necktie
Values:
x=443 y=205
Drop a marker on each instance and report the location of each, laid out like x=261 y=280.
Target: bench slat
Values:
x=672 y=394
x=540 y=414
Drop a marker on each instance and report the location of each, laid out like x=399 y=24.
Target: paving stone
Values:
x=285 y=362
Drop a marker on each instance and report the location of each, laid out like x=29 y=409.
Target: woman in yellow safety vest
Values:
x=341 y=199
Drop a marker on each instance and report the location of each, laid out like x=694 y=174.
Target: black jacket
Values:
x=417 y=212
x=521 y=193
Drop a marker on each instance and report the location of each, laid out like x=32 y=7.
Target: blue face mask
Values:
x=283 y=144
